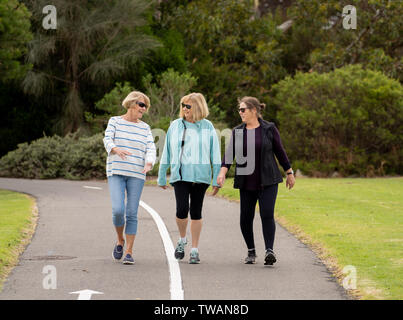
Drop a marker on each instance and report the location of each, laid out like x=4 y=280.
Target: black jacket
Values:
x=270 y=173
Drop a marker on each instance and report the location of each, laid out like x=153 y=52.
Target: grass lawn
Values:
x=17 y=222
x=356 y=222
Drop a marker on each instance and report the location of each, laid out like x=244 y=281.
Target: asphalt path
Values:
x=74 y=239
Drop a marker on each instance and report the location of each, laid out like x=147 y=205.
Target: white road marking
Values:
x=89 y=187
x=174 y=270
x=85 y=294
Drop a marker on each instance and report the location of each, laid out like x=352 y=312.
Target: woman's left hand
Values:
x=290 y=181
x=147 y=168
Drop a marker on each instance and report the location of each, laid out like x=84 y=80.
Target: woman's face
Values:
x=188 y=113
x=245 y=113
x=138 y=108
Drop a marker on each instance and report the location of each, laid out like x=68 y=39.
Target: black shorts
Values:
x=195 y=191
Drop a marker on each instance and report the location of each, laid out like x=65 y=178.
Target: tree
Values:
x=93 y=43
x=165 y=96
x=231 y=52
x=317 y=40
x=14 y=35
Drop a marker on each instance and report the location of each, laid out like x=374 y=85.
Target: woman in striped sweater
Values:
x=131 y=154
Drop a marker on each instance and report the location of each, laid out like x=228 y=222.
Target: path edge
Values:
x=28 y=233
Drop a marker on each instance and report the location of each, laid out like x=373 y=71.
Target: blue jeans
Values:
x=118 y=184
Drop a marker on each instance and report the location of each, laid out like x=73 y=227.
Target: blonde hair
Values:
x=133 y=97
x=199 y=106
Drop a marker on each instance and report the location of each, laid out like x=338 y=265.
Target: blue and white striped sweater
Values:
x=133 y=137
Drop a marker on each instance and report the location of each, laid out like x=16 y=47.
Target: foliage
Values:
x=22 y=118
x=110 y=105
x=232 y=53
x=318 y=41
x=56 y=157
x=14 y=34
x=92 y=44
x=165 y=95
x=349 y=120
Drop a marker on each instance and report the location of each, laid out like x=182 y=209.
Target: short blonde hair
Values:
x=133 y=97
x=199 y=106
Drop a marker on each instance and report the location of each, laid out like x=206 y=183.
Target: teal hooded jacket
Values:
x=200 y=157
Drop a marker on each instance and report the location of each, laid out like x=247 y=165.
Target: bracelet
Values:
x=291 y=172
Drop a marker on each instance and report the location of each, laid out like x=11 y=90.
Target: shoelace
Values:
x=181 y=246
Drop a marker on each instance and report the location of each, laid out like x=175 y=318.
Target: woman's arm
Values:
x=215 y=155
x=227 y=160
x=110 y=136
x=109 y=141
x=165 y=160
x=281 y=156
x=279 y=150
x=151 y=153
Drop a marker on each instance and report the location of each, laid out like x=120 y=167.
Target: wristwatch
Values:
x=291 y=172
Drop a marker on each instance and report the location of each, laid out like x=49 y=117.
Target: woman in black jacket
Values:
x=257 y=174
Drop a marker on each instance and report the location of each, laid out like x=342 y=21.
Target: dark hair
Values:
x=252 y=102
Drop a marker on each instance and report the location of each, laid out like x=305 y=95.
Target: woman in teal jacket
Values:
x=192 y=152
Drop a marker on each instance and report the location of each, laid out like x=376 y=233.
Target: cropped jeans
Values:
x=119 y=186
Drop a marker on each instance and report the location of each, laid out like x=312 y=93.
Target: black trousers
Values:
x=195 y=191
x=267 y=200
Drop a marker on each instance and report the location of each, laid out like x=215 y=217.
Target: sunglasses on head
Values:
x=141 y=104
x=187 y=106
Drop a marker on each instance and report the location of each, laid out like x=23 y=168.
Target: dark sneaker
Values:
x=194 y=257
x=117 y=253
x=180 y=250
x=128 y=259
x=251 y=258
x=270 y=258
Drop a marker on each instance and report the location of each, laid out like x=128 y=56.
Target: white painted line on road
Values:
x=174 y=270
x=85 y=294
x=89 y=187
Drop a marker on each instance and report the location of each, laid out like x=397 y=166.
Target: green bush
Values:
x=86 y=158
x=349 y=120
x=70 y=157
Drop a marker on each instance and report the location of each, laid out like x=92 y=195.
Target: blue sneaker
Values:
x=180 y=250
x=194 y=257
x=128 y=259
x=117 y=253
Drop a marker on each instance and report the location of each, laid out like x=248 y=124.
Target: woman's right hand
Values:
x=221 y=176
x=121 y=153
x=221 y=180
x=163 y=187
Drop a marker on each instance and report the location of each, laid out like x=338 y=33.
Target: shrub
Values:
x=86 y=158
x=56 y=157
x=348 y=120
